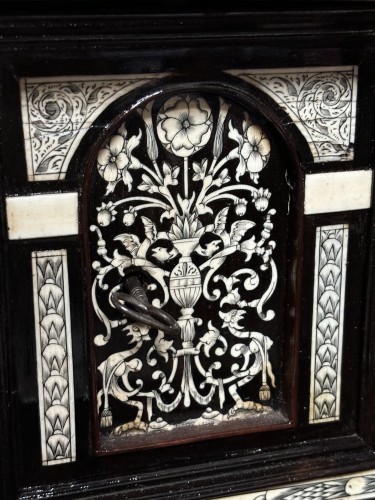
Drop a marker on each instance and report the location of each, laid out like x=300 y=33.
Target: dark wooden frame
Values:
x=35 y=41
x=83 y=163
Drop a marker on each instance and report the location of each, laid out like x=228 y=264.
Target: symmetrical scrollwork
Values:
x=54 y=357
x=206 y=239
x=328 y=322
x=320 y=103
x=57 y=112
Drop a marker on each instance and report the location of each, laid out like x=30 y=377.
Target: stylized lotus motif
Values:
x=184 y=125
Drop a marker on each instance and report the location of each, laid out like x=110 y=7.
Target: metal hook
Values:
x=135 y=304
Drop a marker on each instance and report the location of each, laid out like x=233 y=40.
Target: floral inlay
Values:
x=115 y=160
x=254 y=150
x=173 y=205
x=184 y=125
x=106 y=214
x=320 y=102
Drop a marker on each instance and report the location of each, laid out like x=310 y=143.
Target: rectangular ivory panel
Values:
x=42 y=215
x=338 y=191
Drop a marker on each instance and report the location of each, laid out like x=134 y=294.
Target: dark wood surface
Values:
x=187 y=41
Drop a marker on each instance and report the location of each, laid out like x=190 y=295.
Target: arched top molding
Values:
x=188 y=181
x=315 y=110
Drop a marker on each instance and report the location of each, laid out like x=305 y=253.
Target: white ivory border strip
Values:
x=331 y=249
x=54 y=356
x=56 y=214
x=338 y=191
x=356 y=486
x=42 y=215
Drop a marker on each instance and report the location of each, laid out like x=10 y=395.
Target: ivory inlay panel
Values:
x=338 y=191
x=328 y=322
x=47 y=215
x=58 y=111
x=54 y=357
x=353 y=486
x=191 y=202
x=321 y=102
x=42 y=215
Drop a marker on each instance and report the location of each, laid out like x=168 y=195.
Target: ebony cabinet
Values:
x=187 y=256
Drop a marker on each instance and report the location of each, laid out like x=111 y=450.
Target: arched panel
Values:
x=192 y=193
x=212 y=333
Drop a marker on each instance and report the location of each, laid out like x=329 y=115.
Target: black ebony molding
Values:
x=41 y=39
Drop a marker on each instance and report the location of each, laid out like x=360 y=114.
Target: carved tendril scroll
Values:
x=182 y=197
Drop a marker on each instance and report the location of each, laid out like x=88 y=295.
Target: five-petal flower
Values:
x=115 y=159
x=253 y=150
x=184 y=125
